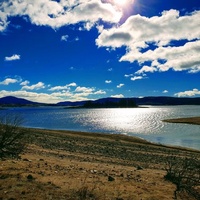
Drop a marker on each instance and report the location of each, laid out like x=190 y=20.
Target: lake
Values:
x=141 y=122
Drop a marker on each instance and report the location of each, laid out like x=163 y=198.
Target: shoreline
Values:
x=62 y=164
x=187 y=120
x=109 y=136
x=116 y=135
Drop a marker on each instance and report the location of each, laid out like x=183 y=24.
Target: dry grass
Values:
x=73 y=165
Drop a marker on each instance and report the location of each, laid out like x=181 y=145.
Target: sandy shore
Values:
x=188 y=120
x=71 y=165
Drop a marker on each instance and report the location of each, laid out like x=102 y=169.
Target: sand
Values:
x=76 y=165
x=188 y=120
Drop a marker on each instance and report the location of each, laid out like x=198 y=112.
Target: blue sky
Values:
x=71 y=50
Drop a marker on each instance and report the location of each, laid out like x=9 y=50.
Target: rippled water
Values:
x=142 y=122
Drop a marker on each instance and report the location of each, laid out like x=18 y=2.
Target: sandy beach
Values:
x=188 y=120
x=77 y=165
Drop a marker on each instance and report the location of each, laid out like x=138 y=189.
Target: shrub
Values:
x=12 y=137
x=184 y=173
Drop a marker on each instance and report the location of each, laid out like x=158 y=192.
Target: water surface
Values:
x=141 y=122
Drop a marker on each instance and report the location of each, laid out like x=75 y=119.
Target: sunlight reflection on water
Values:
x=142 y=122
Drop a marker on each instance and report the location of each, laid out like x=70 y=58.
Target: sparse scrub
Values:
x=12 y=137
x=84 y=193
x=185 y=174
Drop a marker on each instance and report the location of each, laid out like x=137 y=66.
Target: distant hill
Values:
x=138 y=101
x=14 y=101
x=70 y=103
x=111 y=103
x=167 y=101
x=105 y=102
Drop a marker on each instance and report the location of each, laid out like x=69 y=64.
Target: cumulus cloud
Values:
x=33 y=96
x=134 y=78
x=59 y=13
x=65 y=87
x=99 y=92
x=120 y=85
x=24 y=83
x=8 y=81
x=165 y=91
x=108 y=81
x=84 y=89
x=53 y=97
x=64 y=38
x=118 y=96
x=68 y=92
x=146 y=69
x=37 y=86
x=188 y=93
x=82 y=92
x=13 y=57
x=139 y=33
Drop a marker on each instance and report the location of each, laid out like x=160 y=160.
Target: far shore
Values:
x=188 y=120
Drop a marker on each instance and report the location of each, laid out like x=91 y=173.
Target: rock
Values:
x=29 y=177
x=26 y=159
x=139 y=168
x=93 y=171
x=110 y=178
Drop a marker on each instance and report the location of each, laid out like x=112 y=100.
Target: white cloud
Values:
x=13 y=57
x=128 y=75
x=118 y=96
x=139 y=32
x=108 y=81
x=99 y=92
x=59 y=88
x=84 y=89
x=83 y=92
x=24 y=83
x=39 y=85
x=145 y=69
x=8 y=81
x=77 y=39
x=136 y=78
x=188 y=93
x=64 y=38
x=59 y=93
x=65 y=87
x=72 y=84
x=120 y=85
x=59 y=13
x=33 y=96
x=165 y=91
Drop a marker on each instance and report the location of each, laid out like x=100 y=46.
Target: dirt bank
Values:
x=76 y=165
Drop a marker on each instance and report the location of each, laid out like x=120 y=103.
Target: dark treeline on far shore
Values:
x=122 y=103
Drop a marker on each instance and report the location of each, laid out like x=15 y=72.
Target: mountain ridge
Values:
x=150 y=100
x=14 y=101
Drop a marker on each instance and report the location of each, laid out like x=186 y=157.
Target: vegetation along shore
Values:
x=77 y=165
